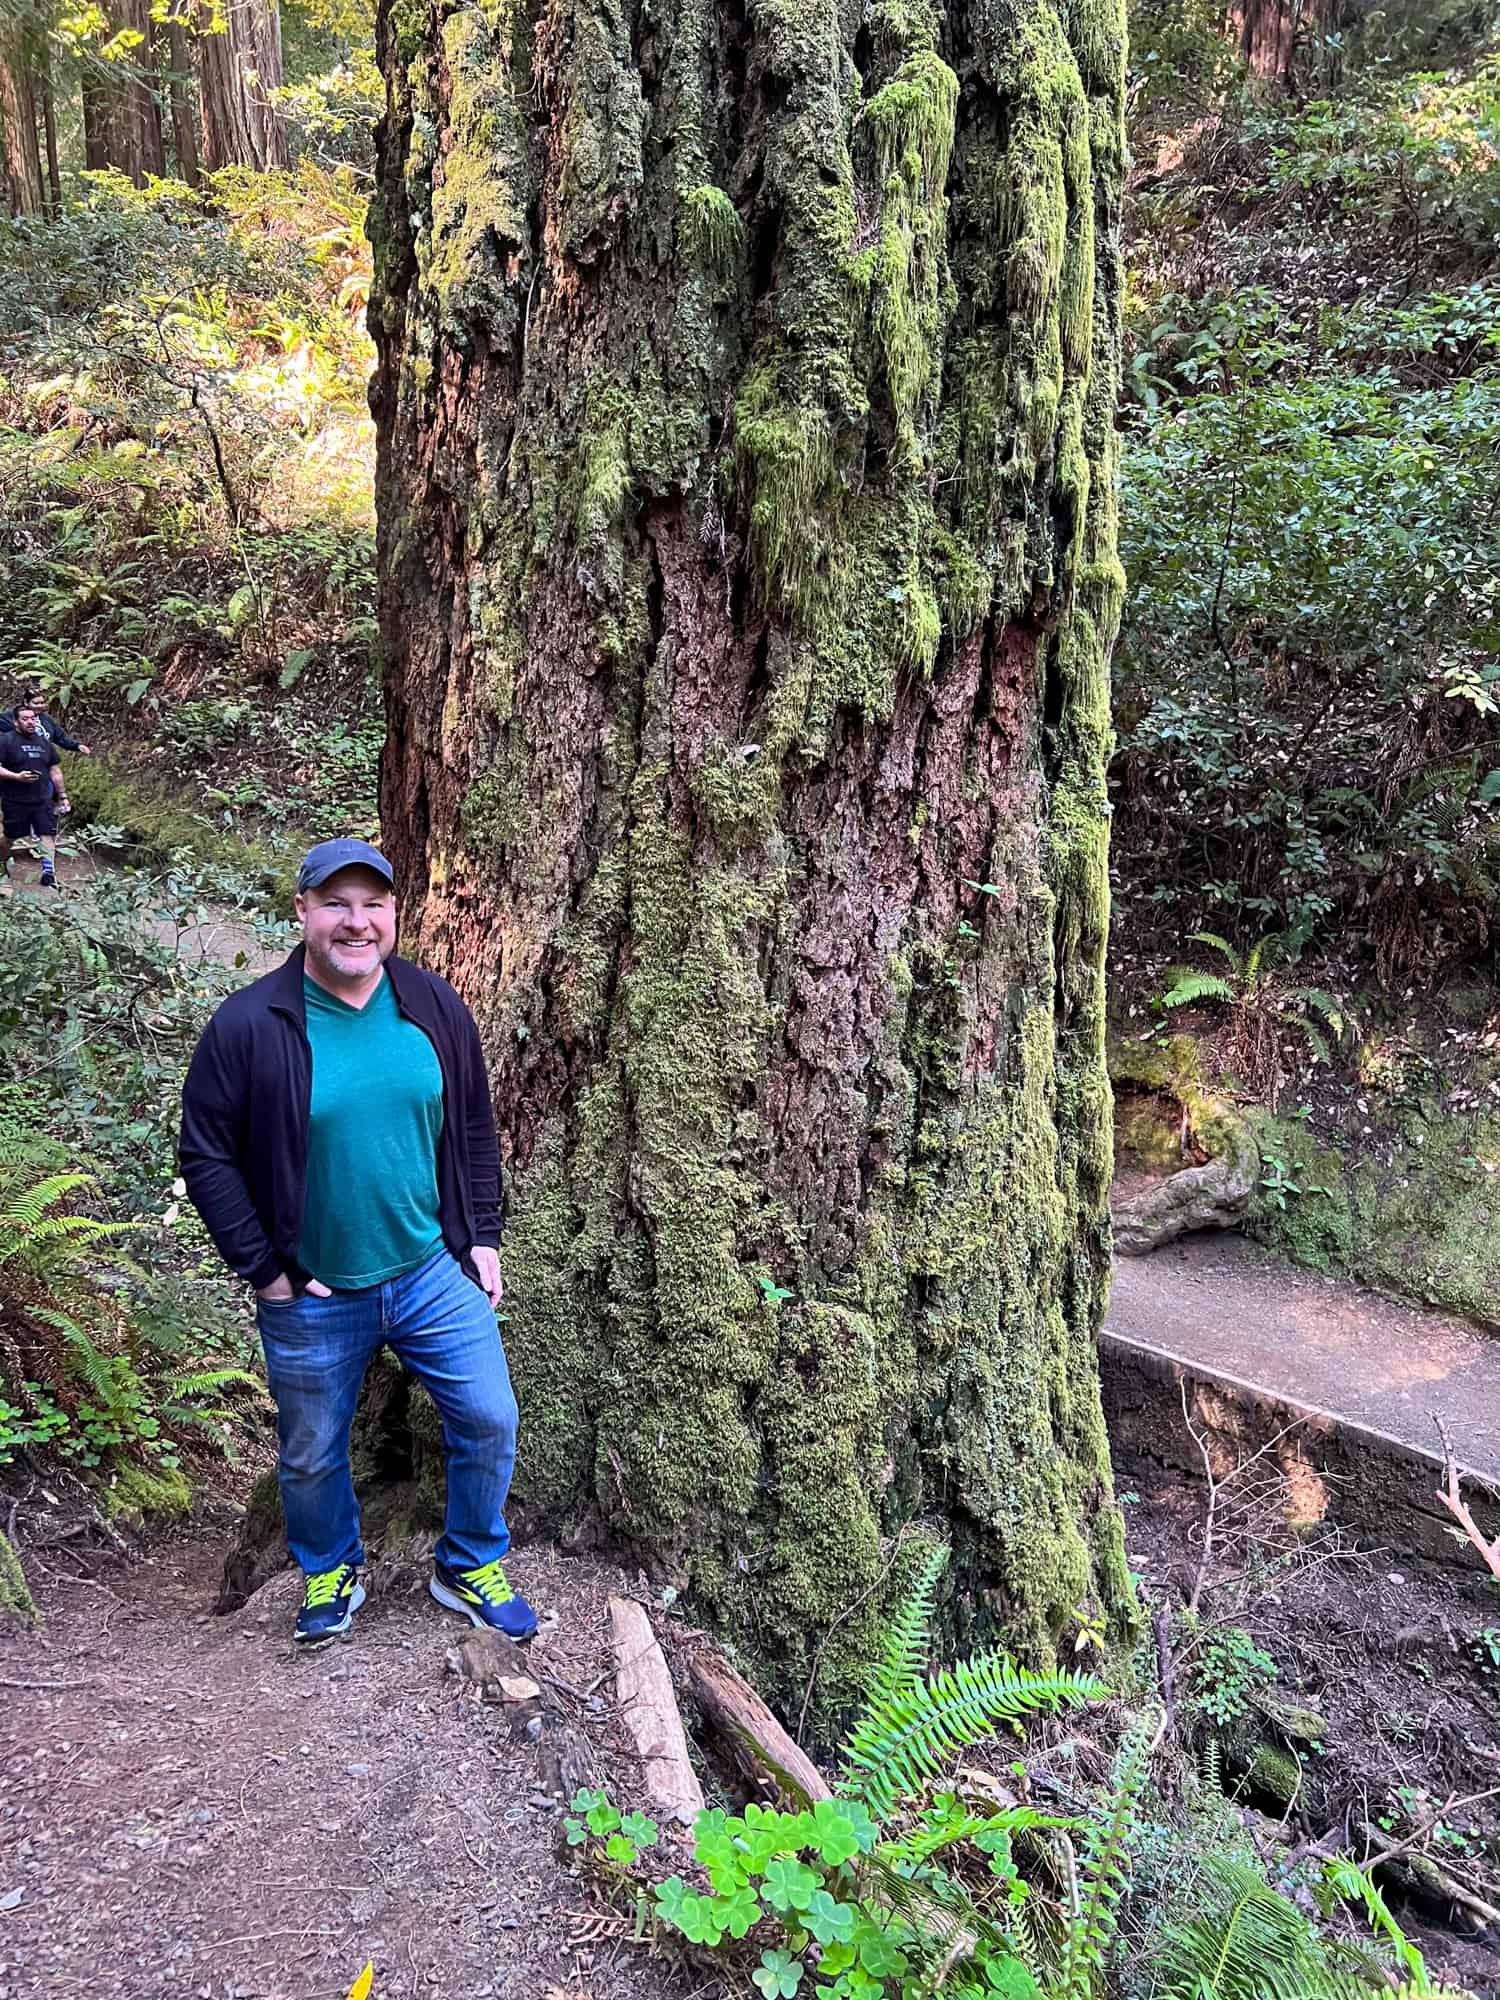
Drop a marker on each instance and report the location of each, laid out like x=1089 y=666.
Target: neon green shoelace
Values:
x=490 y=1582
x=323 y=1586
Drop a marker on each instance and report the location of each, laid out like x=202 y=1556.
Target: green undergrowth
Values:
x=1420 y=1219
x=127 y=1359
x=154 y=826
x=186 y=455
x=930 y=1869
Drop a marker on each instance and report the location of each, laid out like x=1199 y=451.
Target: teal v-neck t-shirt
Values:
x=371 y=1208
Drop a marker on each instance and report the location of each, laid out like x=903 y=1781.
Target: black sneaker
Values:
x=328 y=1605
x=484 y=1597
x=46 y=880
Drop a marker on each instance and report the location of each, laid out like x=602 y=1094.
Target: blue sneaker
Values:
x=328 y=1606
x=485 y=1598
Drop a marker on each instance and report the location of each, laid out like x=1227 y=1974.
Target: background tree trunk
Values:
x=121 y=115
x=237 y=69
x=98 y=105
x=49 y=135
x=18 y=138
x=177 y=66
x=747 y=489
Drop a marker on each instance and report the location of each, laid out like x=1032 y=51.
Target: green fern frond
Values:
x=900 y=1665
x=1216 y=943
x=907 y=1736
x=1315 y=1039
x=1324 y=1004
x=208 y=1379
x=96 y=1368
x=1092 y=1926
x=935 y=1906
x=1353 y=1885
x=1193 y=986
x=925 y=1841
x=25 y=1210
x=1243 y=1942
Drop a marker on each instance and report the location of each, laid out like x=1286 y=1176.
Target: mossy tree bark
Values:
x=745 y=399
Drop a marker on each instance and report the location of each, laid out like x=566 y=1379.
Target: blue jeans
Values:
x=443 y=1329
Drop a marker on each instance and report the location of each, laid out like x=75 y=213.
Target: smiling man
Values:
x=338 y=1140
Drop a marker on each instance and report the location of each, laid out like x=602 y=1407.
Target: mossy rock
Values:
x=1425 y=1229
x=1212 y=1195
x=1275 y=1773
x=141 y=1493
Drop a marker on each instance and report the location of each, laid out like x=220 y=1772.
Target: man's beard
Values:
x=350 y=961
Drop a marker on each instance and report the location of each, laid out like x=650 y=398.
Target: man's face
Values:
x=26 y=721
x=348 y=923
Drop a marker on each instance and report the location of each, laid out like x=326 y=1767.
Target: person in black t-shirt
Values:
x=31 y=791
x=48 y=724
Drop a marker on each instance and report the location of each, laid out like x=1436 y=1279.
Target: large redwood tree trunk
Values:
x=745 y=397
x=239 y=66
x=121 y=114
x=20 y=152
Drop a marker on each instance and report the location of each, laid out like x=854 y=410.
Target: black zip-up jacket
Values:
x=245 y=1108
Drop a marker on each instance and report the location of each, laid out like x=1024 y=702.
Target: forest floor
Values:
x=1387 y=1652
x=1218 y=1299
x=189 y=1808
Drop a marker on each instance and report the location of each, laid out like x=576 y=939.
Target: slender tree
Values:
x=176 y=65
x=49 y=136
x=747 y=487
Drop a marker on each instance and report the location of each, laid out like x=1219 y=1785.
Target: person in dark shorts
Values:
x=31 y=791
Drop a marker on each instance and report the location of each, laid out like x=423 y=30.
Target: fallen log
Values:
x=648 y=1708
x=731 y=1706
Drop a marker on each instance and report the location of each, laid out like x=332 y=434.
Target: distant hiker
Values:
x=31 y=790
x=49 y=726
x=339 y=1142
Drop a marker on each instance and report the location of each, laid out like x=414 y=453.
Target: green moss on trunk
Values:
x=748 y=550
x=15 y=1592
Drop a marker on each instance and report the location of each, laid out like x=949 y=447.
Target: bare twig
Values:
x=1161 y=1632
x=48 y=1684
x=1213 y=1504
x=1434 y=1817
x=846 y=1614
x=1453 y=1500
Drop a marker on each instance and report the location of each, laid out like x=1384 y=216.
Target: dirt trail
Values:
x=1222 y=1301
x=219 y=938
x=187 y=1808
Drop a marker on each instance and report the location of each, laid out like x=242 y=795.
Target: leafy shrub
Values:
x=81 y=1373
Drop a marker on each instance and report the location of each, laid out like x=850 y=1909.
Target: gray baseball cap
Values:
x=329 y=856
